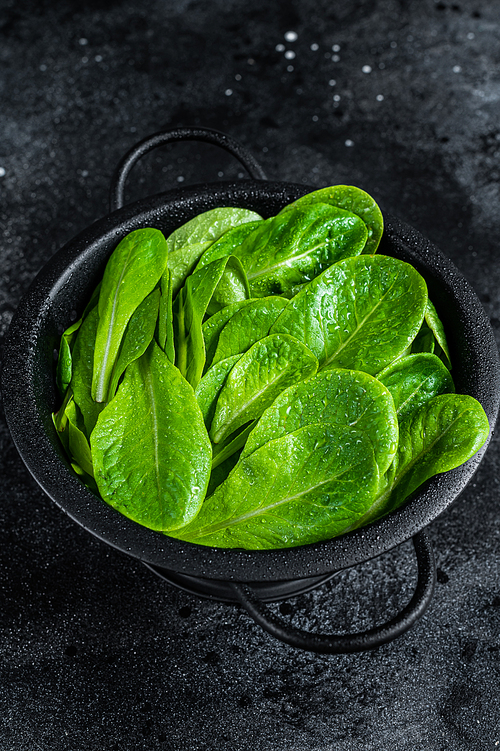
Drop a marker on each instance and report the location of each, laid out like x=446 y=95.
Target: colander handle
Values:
x=207 y=135
x=349 y=643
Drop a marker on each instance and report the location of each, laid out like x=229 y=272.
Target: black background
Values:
x=96 y=652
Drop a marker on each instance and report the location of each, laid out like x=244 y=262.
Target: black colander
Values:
x=61 y=290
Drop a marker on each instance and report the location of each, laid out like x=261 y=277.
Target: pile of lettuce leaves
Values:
x=261 y=383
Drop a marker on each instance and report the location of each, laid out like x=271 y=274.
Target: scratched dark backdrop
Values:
x=400 y=98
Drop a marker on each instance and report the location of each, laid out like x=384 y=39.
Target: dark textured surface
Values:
x=97 y=652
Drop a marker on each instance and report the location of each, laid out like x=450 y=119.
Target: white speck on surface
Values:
x=366 y=68
x=332 y=82
x=2 y=171
x=180 y=179
x=336 y=97
x=314 y=47
x=289 y=54
x=457 y=68
x=280 y=48
x=394 y=45
x=336 y=58
x=471 y=35
x=43 y=67
x=336 y=48
x=291 y=36
x=315 y=118
x=83 y=41
x=85 y=59
x=228 y=92
x=237 y=77
x=220 y=173
x=380 y=97
x=289 y=68
x=349 y=142
x=98 y=58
